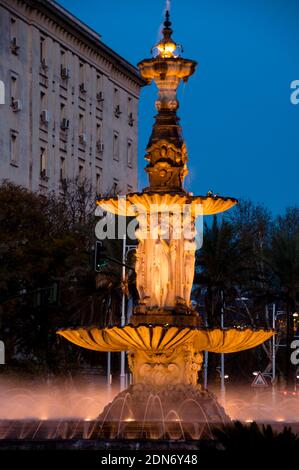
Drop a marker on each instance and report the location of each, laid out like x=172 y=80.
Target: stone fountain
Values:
x=165 y=339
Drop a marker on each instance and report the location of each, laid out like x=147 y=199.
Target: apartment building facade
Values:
x=70 y=102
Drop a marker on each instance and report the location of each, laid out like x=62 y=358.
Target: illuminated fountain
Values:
x=165 y=339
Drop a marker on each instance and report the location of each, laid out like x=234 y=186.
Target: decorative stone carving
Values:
x=179 y=365
x=165 y=264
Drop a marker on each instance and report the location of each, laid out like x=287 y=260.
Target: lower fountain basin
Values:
x=179 y=411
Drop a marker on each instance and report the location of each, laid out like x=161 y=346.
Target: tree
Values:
x=283 y=260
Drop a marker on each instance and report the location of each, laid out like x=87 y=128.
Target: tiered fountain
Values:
x=165 y=339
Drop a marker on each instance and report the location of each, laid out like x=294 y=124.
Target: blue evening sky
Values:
x=242 y=131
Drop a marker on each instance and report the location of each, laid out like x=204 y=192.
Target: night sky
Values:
x=242 y=131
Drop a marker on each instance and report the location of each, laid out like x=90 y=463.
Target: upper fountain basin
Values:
x=134 y=203
x=163 y=338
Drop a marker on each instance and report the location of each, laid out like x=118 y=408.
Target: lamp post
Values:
x=123 y=319
x=222 y=373
x=109 y=377
x=126 y=250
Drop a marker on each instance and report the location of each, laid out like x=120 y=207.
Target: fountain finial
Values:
x=166 y=47
x=167 y=25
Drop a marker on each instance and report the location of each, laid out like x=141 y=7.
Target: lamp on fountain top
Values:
x=166 y=47
x=166 y=151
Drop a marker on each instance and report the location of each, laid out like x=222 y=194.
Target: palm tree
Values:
x=283 y=261
x=220 y=266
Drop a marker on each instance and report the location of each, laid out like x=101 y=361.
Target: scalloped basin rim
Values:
x=133 y=202
x=161 y=338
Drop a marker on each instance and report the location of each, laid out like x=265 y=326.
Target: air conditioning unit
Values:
x=65 y=73
x=100 y=96
x=82 y=138
x=45 y=116
x=82 y=88
x=65 y=124
x=14 y=46
x=100 y=146
x=16 y=105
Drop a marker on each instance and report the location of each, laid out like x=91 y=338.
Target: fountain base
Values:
x=178 y=411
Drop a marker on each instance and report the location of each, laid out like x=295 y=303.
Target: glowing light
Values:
x=87 y=419
x=296 y=314
x=280 y=420
x=166 y=49
x=255 y=373
x=248 y=421
x=44 y=418
x=226 y=376
x=129 y=419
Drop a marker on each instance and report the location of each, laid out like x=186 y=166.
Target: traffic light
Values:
x=100 y=257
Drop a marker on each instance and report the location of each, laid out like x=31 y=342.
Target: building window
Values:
x=99 y=82
x=82 y=133
x=62 y=110
x=81 y=123
x=43 y=105
x=82 y=86
x=99 y=143
x=64 y=123
x=64 y=70
x=115 y=146
x=44 y=113
x=62 y=57
x=13 y=28
x=14 y=153
x=13 y=87
x=115 y=186
x=130 y=112
x=98 y=181
x=16 y=103
x=129 y=105
x=116 y=97
x=130 y=153
x=14 y=46
x=62 y=174
x=81 y=171
x=43 y=163
x=99 y=92
x=99 y=132
x=117 y=111
x=81 y=72
x=42 y=53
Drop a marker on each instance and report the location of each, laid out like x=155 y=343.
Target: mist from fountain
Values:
x=54 y=411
